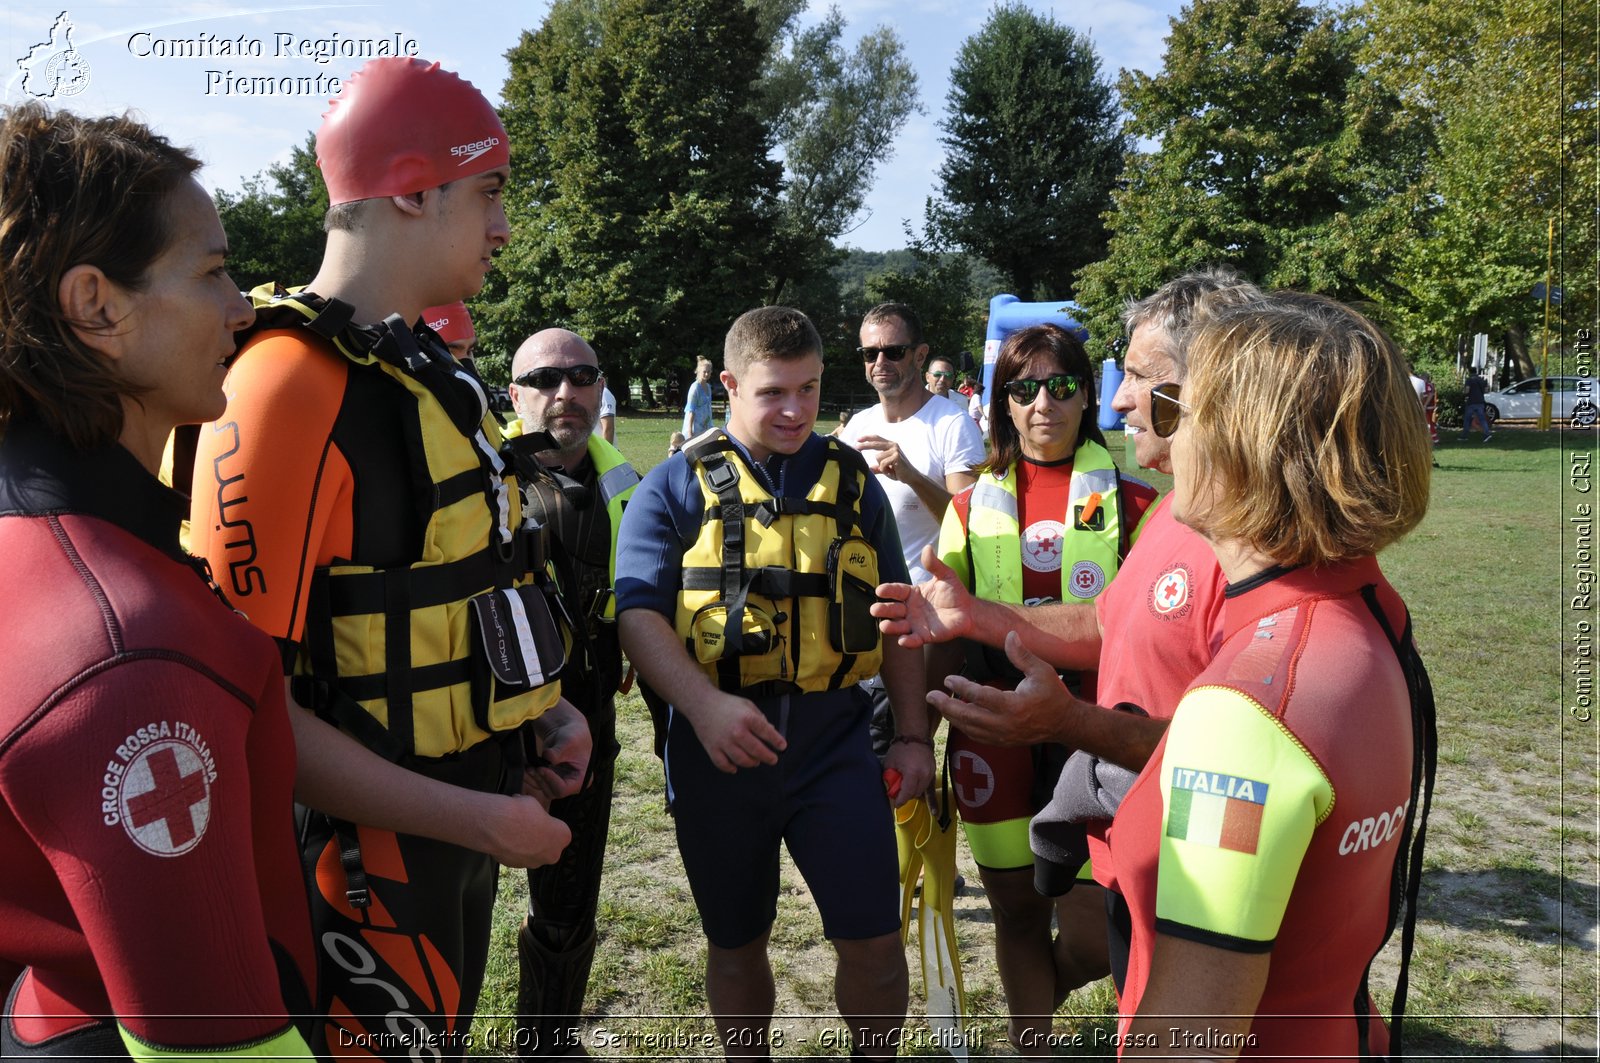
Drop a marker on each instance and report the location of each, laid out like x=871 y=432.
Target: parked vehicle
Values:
x=1571 y=398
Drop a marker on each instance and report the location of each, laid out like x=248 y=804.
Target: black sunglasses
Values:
x=549 y=376
x=1164 y=415
x=1061 y=386
x=894 y=352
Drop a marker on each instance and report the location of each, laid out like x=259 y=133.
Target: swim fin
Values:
x=928 y=844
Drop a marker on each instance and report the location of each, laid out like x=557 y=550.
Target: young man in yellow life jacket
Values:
x=576 y=489
x=744 y=577
x=353 y=501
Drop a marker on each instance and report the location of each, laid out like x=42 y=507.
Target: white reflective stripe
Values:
x=1087 y=483
x=616 y=481
x=988 y=496
x=483 y=397
x=502 y=499
x=519 y=620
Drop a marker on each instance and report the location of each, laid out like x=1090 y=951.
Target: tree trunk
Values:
x=1516 y=344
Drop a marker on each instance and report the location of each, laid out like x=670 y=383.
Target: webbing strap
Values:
x=365 y=593
x=356 y=890
x=1407 y=882
x=847 y=517
x=397 y=656
x=770 y=582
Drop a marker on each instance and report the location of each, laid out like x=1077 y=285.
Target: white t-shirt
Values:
x=938 y=439
x=608 y=403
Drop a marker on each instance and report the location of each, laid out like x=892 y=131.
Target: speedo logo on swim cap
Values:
x=467 y=152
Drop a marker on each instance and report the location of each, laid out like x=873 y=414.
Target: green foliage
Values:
x=940 y=287
x=647 y=205
x=1276 y=153
x=835 y=116
x=1033 y=151
x=274 y=224
x=643 y=199
x=1508 y=90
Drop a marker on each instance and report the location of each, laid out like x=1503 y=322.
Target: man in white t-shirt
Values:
x=608 y=415
x=922 y=446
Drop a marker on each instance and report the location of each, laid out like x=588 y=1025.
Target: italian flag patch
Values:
x=1208 y=808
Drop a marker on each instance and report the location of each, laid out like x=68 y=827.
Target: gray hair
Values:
x=1182 y=302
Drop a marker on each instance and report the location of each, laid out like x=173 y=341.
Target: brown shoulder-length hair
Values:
x=74 y=191
x=1308 y=439
x=1061 y=347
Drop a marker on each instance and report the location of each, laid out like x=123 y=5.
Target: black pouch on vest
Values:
x=519 y=635
x=852 y=588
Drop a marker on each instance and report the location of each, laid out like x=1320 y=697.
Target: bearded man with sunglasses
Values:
x=575 y=484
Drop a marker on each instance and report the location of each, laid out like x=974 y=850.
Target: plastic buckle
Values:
x=722 y=476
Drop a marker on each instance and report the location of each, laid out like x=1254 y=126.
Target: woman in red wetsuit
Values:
x=1257 y=860
x=152 y=901
x=1049 y=519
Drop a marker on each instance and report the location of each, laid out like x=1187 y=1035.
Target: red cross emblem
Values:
x=172 y=806
x=973 y=777
x=1170 y=592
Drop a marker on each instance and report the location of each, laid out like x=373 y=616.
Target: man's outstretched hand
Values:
x=935 y=610
x=1039 y=709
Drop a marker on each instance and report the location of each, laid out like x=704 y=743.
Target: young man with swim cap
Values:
x=354 y=504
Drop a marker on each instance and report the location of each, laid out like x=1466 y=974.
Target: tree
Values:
x=1033 y=151
x=1508 y=93
x=940 y=287
x=1277 y=154
x=835 y=115
x=643 y=196
x=274 y=225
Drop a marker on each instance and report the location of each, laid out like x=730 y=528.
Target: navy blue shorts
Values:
x=824 y=799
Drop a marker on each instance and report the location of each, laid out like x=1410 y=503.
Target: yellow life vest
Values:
x=775 y=591
x=402 y=656
x=1090 y=550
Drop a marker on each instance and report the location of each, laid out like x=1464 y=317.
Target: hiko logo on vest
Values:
x=158 y=787
x=1169 y=594
x=244 y=575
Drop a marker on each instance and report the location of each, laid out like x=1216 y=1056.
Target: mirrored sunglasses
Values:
x=1062 y=386
x=1164 y=415
x=940 y=374
x=547 y=377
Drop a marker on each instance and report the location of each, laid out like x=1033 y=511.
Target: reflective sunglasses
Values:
x=894 y=352
x=940 y=374
x=1062 y=386
x=1164 y=415
x=547 y=377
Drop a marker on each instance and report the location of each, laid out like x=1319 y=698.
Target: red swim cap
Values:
x=451 y=322
x=403 y=125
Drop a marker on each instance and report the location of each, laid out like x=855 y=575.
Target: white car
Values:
x=1571 y=397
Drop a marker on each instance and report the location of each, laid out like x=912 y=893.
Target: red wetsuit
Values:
x=1160 y=626
x=1009 y=784
x=146 y=778
x=1269 y=816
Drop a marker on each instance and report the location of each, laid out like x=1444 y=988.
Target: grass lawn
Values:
x=1505 y=959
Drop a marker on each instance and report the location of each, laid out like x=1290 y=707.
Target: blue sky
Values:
x=126 y=51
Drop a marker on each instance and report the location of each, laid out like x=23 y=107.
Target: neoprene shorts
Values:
x=824 y=799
